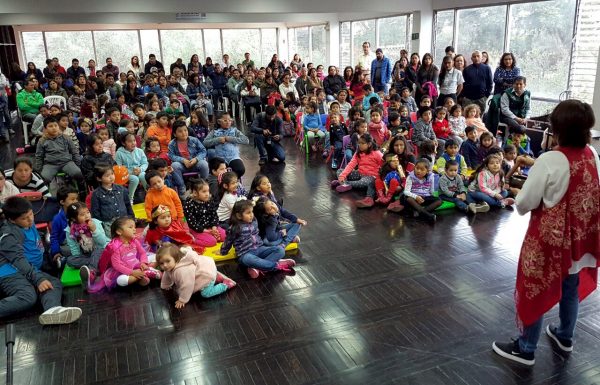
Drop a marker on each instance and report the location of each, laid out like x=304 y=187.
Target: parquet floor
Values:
x=377 y=298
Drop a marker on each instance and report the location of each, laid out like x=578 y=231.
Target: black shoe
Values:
x=512 y=351
x=262 y=161
x=562 y=344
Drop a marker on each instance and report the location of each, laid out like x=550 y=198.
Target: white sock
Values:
x=123 y=280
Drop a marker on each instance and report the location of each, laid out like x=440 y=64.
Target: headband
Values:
x=160 y=210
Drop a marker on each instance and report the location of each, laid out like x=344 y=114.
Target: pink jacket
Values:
x=191 y=274
x=124 y=258
x=379 y=132
x=368 y=164
x=487 y=183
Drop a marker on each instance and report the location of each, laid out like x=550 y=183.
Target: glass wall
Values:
x=388 y=33
x=318 y=46
x=443 y=34
x=167 y=45
x=310 y=43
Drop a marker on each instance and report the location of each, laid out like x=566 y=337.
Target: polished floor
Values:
x=377 y=298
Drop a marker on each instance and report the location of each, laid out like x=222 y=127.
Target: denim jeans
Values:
x=292 y=229
x=179 y=169
x=479 y=197
x=134 y=181
x=460 y=204
x=268 y=149
x=337 y=151
x=263 y=258
x=568 y=311
x=382 y=87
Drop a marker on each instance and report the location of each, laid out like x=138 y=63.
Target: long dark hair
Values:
x=227 y=178
x=261 y=215
x=514 y=60
x=254 y=185
x=234 y=222
x=369 y=140
x=73 y=211
x=484 y=164
x=444 y=71
x=407 y=156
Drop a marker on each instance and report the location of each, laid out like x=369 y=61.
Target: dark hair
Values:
x=100 y=169
x=149 y=141
x=110 y=110
x=153 y=224
x=314 y=106
x=451 y=163
x=375 y=110
x=73 y=211
x=197 y=184
x=404 y=88
x=449 y=49
x=214 y=163
x=161 y=114
x=395 y=98
x=520 y=79
x=234 y=222
x=64 y=191
x=118 y=224
x=261 y=215
x=23 y=159
x=450 y=142
x=171 y=250
x=151 y=174
x=571 y=122
x=440 y=108
x=50 y=119
x=486 y=134
x=470 y=129
x=177 y=124
x=367 y=87
x=454 y=108
x=425 y=162
x=425 y=97
x=123 y=137
x=254 y=184
x=369 y=140
x=423 y=110
x=514 y=60
x=138 y=106
x=427 y=147
x=373 y=101
x=15 y=206
x=393 y=116
x=483 y=165
x=226 y=179
x=518 y=130
x=270 y=110
x=386 y=168
x=444 y=71
x=509 y=148
x=157 y=163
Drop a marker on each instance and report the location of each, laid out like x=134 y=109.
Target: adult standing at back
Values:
x=450 y=81
x=427 y=77
x=153 y=63
x=276 y=63
x=111 y=68
x=75 y=70
x=506 y=73
x=381 y=72
x=366 y=59
x=560 y=255
x=333 y=83
x=478 y=82
x=248 y=63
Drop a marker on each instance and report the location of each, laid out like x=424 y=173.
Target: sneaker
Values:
x=506 y=202
x=87 y=277
x=395 y=207
x=335 y=183
x=253 y=273
x=153 y=274
x=512 y=351
x=562 y=344
x=365 y=203
x=334 y=164
x=479 y=207
x=296 y=239
x=262 y=161
x=343 y=188
x=230 y=283
x=60 y=315
x=285 y=264
x=275 y=160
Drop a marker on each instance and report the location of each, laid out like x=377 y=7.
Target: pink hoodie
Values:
x=191 y=274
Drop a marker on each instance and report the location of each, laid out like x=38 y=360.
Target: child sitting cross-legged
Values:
x=201 y=213
x=95 y=155
x=452 y=189
x=243 y=235
x=451 y=153
x=368 y=160
x=159 y=194
x=162 y=228
x=487 y=184
x=190 y=273
x=59 y=249
x=419 y=190
x=389 y=183
x=109 y=200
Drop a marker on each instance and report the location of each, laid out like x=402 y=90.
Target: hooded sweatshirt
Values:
x=191 y=274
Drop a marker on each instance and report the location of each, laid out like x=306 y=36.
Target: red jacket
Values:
x=441 y=129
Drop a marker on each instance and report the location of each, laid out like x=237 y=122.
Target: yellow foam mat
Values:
x=213 y=252
x=139 y=210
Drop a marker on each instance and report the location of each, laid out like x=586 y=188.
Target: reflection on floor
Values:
x=377 y=298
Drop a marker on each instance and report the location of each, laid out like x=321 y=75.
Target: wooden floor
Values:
x=377 y=298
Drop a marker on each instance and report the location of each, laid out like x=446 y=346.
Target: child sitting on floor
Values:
x=59 y=249
x=159 y=194
x=487 y=183
x=451 y=153
x=162 y=228
x=470 y=148
x=452 y=189
x=419 y=190
x=189 y=273
x=109 y=200
x=228 y=196
x=389 y=183
x=201 y=213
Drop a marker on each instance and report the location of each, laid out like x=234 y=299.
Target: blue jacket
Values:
x=243 y=238
x=228 y=150
x=155 y=89
x=313 y=121
x=195 y=148
x=57 y=234
x=470 y=151
x=478 y=81
x=219 y=82
x=108 y=205
x=132 y=159
x=192 y=91
x=386 y=70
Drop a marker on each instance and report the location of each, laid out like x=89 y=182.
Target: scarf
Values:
x=82 y=234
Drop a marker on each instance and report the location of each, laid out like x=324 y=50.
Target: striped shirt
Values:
x=36 y=183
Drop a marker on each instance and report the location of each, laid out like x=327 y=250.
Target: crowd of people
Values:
x=397 y=130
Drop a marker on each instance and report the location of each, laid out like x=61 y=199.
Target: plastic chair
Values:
x=299 y=130
x=56 y=99
x=413 y=117
x=25 y=125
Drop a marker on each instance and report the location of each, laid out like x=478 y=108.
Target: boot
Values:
x=395 y=206
x=365 y=203
x=382 y=198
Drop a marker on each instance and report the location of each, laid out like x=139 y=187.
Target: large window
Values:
x=236 y=42
x=70 y=45
x=482 y=29
x=318 y=39
x=150 y=45
x=120 y=46
x=443 y=34
x=391 y=29
x=34 y=48
x=362 y=31
x=268 y=47
x=180 y=43
x=299 y=43
x=212 y=44
x=345 y=44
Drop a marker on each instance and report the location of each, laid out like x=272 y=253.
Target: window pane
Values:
x=362 y=31
x=319 y=45
x=236 y=42
x=482 y=29
x=392 y=36
x=541 y=108
x=120 y=46
x=540 y=38
x=269 y=47
x=182 y=43
x=292 y=47
x=67 y=46
x=444 y=32
x=33 y=45
x=345 y=41
x=584 y=62
x=212 y=45
x=302 y=44
x=150 y=45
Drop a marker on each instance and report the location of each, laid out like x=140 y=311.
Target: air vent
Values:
x=190 y=16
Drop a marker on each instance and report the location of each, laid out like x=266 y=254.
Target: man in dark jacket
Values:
x=153 y=63
x=333 y=83
x=478 y=82
x=75 y=70
x=267 y=128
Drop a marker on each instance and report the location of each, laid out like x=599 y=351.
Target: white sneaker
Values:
x=479 y=207
x=60 y=315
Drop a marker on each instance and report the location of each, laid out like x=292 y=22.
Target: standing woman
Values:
x=415 y=62
x=32 y=70
x=403 y=75
x=459 y=62
x=208 y=68
x=427 y=73
x=485 y=58
x=560 y=254
x=194 y=65
x=297 y=61
x=450 y=81
x=134 y=66
x=505 y=73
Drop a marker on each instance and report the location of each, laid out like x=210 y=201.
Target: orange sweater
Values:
x=163 y=135
x=168 y=197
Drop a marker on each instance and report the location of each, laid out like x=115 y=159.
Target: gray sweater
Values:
x=11 y=251
x=422 y=132
x=451 y=187
x=56 y=151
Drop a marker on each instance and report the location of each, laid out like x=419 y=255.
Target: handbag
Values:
x=252 y=99
x=517 y=181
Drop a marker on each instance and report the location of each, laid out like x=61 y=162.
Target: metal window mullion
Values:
x=203 y=47
x=94 y=47
x=222 y=49
x=573 y=44
x=455 y=32
x=139 y=33
x=45 y=44
x=160 y=49
x=507 y=29
x=310 y=55
x=351 y=45
x=377 y=32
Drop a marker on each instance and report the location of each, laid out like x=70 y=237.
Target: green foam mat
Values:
x=445 y=204
x=70 y=277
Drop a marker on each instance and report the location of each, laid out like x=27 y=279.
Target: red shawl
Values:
x=177 y=234
x=558 y=235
